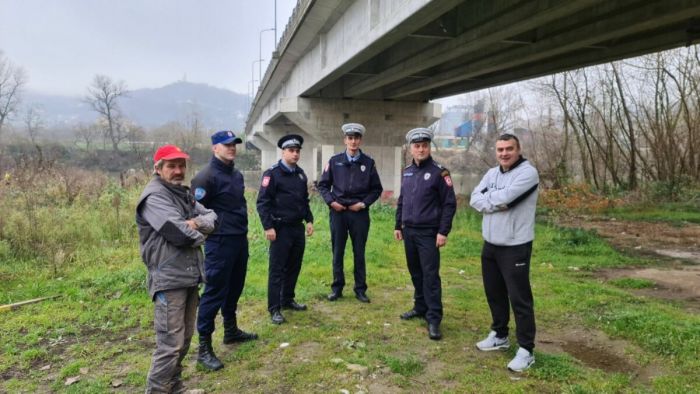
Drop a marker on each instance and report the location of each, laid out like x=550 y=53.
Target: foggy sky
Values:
x=147 y=43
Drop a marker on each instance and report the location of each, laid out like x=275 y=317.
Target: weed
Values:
x=633 y=283
x=406 y=366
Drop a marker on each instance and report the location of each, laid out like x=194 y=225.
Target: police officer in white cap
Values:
x=424 y=215
x=350 y=184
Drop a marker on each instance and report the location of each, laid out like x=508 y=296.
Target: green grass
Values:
x=103 y=320
x=674 y=213
x=633 y=283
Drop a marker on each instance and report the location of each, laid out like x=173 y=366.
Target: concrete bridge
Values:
x=379 y=62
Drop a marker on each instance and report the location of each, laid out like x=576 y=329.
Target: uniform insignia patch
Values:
x=426 y=176
x=363 y=168
x=265 y=181
x=448 y=181
x=199 y=193
x=407 y=174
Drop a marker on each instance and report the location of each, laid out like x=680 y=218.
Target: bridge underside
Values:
x=482 y=43
x=379 y=62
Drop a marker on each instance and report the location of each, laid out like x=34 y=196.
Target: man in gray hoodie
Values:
x=172 y=228
x=507 y=197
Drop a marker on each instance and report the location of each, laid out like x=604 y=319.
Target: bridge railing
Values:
x=289 y=29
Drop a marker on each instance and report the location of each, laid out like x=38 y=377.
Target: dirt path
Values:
x=594 y=349
x=677 y=249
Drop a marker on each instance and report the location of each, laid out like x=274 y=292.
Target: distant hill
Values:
x=218 y=108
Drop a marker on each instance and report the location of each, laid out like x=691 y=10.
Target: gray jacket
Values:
x=508 y=200
x=169 y=247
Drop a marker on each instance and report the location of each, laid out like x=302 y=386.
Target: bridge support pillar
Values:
x=386 y=122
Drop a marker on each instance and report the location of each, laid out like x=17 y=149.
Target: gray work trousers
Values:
x=175 y=317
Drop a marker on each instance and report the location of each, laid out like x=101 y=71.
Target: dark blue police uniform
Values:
x=283 y=204
x=347 y=182
x=425 y=208
x=219 y=186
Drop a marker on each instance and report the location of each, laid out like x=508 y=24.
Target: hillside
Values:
x=218 y=108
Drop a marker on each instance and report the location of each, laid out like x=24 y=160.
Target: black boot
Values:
x=233 y=334
x=206 y=358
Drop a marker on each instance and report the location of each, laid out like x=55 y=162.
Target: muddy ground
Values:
x=675 y=273
x=674 y=248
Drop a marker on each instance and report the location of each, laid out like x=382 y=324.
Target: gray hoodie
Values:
x=508 y=200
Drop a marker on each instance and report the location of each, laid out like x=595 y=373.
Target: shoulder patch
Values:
x=445 y=173
x=448 y=180
x=199 y=193
x=265 y=181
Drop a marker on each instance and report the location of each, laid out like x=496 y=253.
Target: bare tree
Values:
x=33 y=123
x=12 y=79
x=103 y=96
x=86 y=134
x=191 y=132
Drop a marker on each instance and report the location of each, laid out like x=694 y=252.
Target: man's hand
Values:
x=192 y=224
x=398 y=235
x=270 y=234
x=441 y=240
x=358 y=206
x=337 y=206
x=309 y=229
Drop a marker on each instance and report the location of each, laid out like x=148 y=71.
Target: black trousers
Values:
x=506 y=274
x=286 y=254
x=423 y=260
x=357 y=225
x=225 y=266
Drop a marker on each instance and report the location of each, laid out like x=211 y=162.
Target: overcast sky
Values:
x=146 y=43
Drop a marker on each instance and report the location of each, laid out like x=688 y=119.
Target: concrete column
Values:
x=269 y=157
x=398 y=166
x=318 y=121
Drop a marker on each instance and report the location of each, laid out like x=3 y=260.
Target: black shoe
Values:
x=434 y=332
x=233 y=334
x=239 y=336
x=206 y=357
x=293 y=305
x=334 y=295
x=412 y=314
x=276 y=317
x=362 y=297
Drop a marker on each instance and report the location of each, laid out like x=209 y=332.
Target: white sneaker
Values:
x=492 y=342
x=522 y=361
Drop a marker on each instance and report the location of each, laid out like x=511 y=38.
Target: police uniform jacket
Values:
x=283 y=197
x=219 y=186
x=349 y=182
x=427 y=197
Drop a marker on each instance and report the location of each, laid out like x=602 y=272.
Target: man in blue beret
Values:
x=219 y=186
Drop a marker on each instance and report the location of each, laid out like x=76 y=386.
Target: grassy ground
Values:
x=100 y=330
x=674 y=213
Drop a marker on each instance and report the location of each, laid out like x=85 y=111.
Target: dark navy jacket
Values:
x=427 y=197
x=283 y=197
x=219 y=186
x=350 y=182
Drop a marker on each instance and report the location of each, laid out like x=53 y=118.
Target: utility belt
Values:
x=278 y=222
